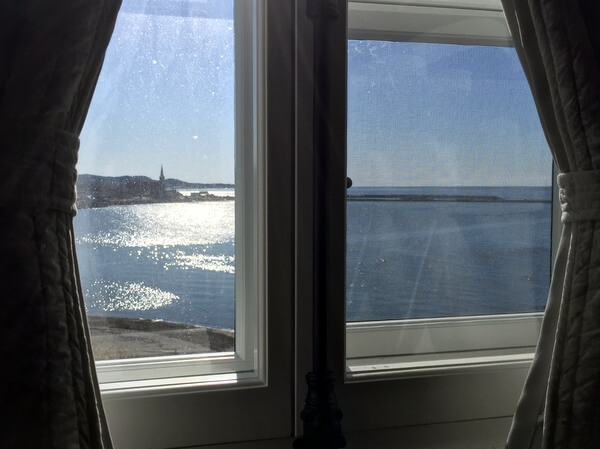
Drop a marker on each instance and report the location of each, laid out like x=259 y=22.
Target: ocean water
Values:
x=171 y=261
x=405 y=259
x=411 y=259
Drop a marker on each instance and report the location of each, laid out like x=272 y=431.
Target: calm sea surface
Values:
x=175 y=261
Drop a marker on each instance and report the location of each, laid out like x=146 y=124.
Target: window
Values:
x=397 y=372
x=449 y=218
x=445 y=365
x=173 y=267
x=170 y=266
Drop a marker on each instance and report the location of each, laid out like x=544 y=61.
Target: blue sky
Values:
x=435 y=114
x=165 y=96
x=418 y=114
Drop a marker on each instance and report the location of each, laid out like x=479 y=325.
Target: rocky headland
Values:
x=103 y=191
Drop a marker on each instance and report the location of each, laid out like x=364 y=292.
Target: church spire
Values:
x=161 y=183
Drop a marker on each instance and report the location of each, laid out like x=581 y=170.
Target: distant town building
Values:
x=197 y=196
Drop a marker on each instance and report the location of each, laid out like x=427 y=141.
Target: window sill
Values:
x=178 y=385
x=176 y=374
x=420 y=365
x=479 y=434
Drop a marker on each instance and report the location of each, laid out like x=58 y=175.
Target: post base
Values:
x=321 y=415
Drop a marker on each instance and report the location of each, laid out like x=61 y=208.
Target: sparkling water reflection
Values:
x=118 y=296
x=170 y=261
x=153 y=225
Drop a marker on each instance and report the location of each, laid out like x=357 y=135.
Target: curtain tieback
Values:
x=37 y=167
x=579 y=195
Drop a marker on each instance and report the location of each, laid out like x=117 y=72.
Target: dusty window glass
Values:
x=155 y=228
x=450 y=209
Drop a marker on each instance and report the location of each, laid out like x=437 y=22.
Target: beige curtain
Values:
x=558 y=42
x=51 y=52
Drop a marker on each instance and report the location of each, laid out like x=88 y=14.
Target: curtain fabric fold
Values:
x=51 y=52
x=558 y=42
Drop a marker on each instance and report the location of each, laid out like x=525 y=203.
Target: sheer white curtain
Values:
x=51 y=52
x=558 y=42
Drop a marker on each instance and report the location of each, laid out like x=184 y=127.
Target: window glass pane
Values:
x=156 y=222
x=450 y=209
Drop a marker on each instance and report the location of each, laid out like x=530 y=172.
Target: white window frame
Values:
x=403 y=347
x=454 y=399
x=478 y=22
x=430 y=404
x=246 y=362
x=187 y=401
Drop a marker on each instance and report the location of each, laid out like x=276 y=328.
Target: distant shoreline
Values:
x=357 y=198
x=441 y=198
x=94 y=191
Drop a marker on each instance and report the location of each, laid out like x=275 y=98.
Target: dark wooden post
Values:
x=321 y=416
